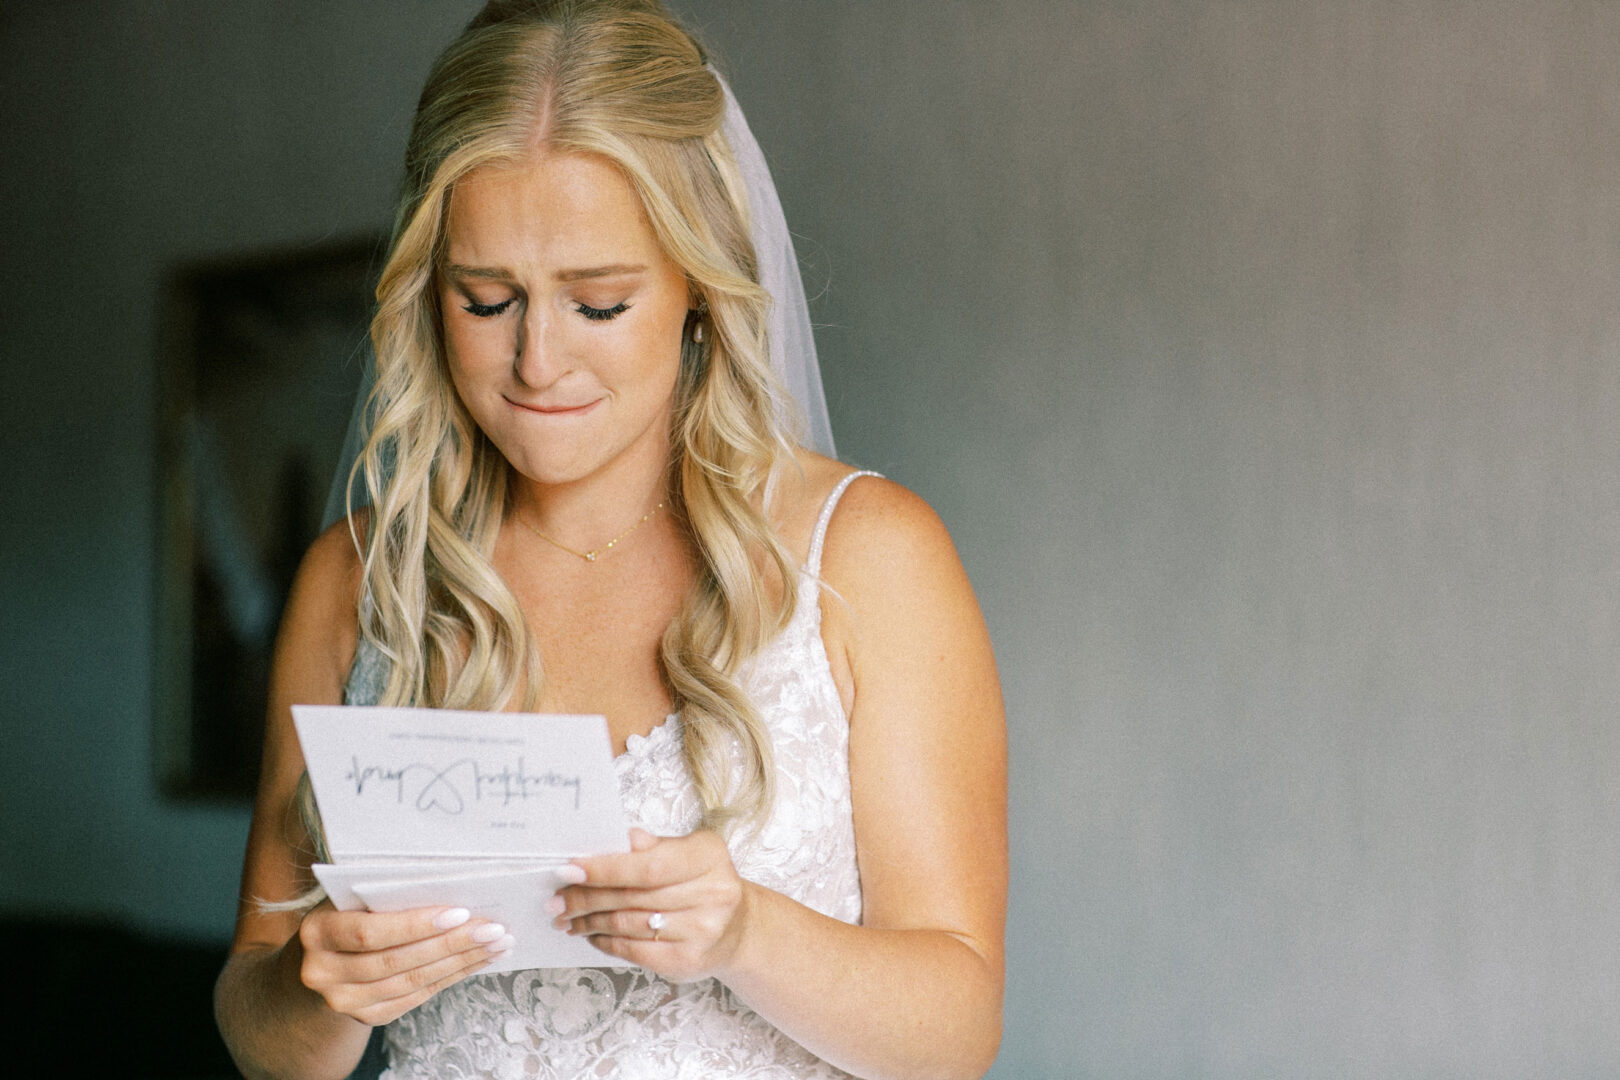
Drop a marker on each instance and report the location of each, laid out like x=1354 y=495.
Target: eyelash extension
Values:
x=487 y=311
x=602 y=314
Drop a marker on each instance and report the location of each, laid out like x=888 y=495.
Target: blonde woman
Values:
x=587 y=495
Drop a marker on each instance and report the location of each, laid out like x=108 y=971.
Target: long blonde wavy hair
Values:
x=619 y=79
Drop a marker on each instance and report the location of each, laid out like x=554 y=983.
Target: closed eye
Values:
x=487 y=311
x=602 y=314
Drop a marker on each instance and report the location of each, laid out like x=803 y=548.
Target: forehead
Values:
x=553 y=210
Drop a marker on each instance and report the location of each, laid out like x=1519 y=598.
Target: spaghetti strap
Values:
x=820 y=534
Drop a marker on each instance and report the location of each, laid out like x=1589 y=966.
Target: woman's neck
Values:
x=586 y=513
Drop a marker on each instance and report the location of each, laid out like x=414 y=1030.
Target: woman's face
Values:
x=563 y=318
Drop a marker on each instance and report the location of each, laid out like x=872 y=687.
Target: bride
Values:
x=588 y=493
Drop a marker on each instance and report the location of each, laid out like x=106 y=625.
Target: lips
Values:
x=555 y=408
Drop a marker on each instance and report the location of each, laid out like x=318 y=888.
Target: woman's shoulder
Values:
x=876 y=521
x=332 y=563
x=319 y=627
x=896 y=593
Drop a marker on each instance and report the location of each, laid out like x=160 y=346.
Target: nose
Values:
x=537 y=359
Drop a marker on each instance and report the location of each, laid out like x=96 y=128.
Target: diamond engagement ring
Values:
x=655 y=923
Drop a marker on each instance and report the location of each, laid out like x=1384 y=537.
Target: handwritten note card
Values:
x=435 y=782
x=427 y=807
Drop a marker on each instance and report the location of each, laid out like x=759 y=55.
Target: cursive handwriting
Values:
x=447 y=788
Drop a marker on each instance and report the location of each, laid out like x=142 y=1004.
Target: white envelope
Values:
x=342 y=881
x=516 y=900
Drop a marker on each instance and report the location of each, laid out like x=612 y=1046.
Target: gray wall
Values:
x=1261 y=357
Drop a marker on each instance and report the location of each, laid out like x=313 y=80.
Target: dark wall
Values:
x=139 y=137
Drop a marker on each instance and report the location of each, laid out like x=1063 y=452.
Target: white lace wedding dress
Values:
x=629 y=1024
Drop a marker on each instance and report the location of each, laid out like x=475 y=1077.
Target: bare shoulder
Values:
x=897 y=598
x=883 y=535
x=319 y=629
x=871 y=509
x=335 y=554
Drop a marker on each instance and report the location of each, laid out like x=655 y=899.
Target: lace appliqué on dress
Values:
x=629 y=1024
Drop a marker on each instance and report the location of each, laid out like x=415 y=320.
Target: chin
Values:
x=546 y=457
x=554 y=469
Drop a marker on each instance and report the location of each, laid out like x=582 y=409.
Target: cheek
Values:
x=656 y=351
x=474 y=353
x=455 y=365
x=474 y=382
x=653 y=366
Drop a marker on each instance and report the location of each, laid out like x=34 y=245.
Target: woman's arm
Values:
x=299 y=993
x=916 y=990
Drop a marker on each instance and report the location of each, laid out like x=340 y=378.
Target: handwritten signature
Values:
x=447 y=788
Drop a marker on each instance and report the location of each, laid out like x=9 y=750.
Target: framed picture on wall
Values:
x=260 y=359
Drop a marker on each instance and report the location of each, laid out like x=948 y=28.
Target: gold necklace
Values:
x=590 y=556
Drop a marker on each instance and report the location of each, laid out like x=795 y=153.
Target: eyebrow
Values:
x=495 y=273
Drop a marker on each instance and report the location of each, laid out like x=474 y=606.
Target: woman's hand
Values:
x=376 y=966
x=689 y=881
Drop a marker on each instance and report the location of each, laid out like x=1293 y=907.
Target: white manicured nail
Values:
x=574 y=875
x=450 y=918
x=503 y=945
x=488 y=932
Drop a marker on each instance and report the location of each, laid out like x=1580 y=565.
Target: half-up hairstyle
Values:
x=618 y=79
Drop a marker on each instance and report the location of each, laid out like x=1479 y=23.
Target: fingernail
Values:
x=556 y=906
x=488 y=932
x=450 y=918
x=574 y=875
x=503 y=945
x=560 y=923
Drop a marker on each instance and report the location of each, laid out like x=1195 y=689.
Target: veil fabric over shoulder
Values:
x=792 y=341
